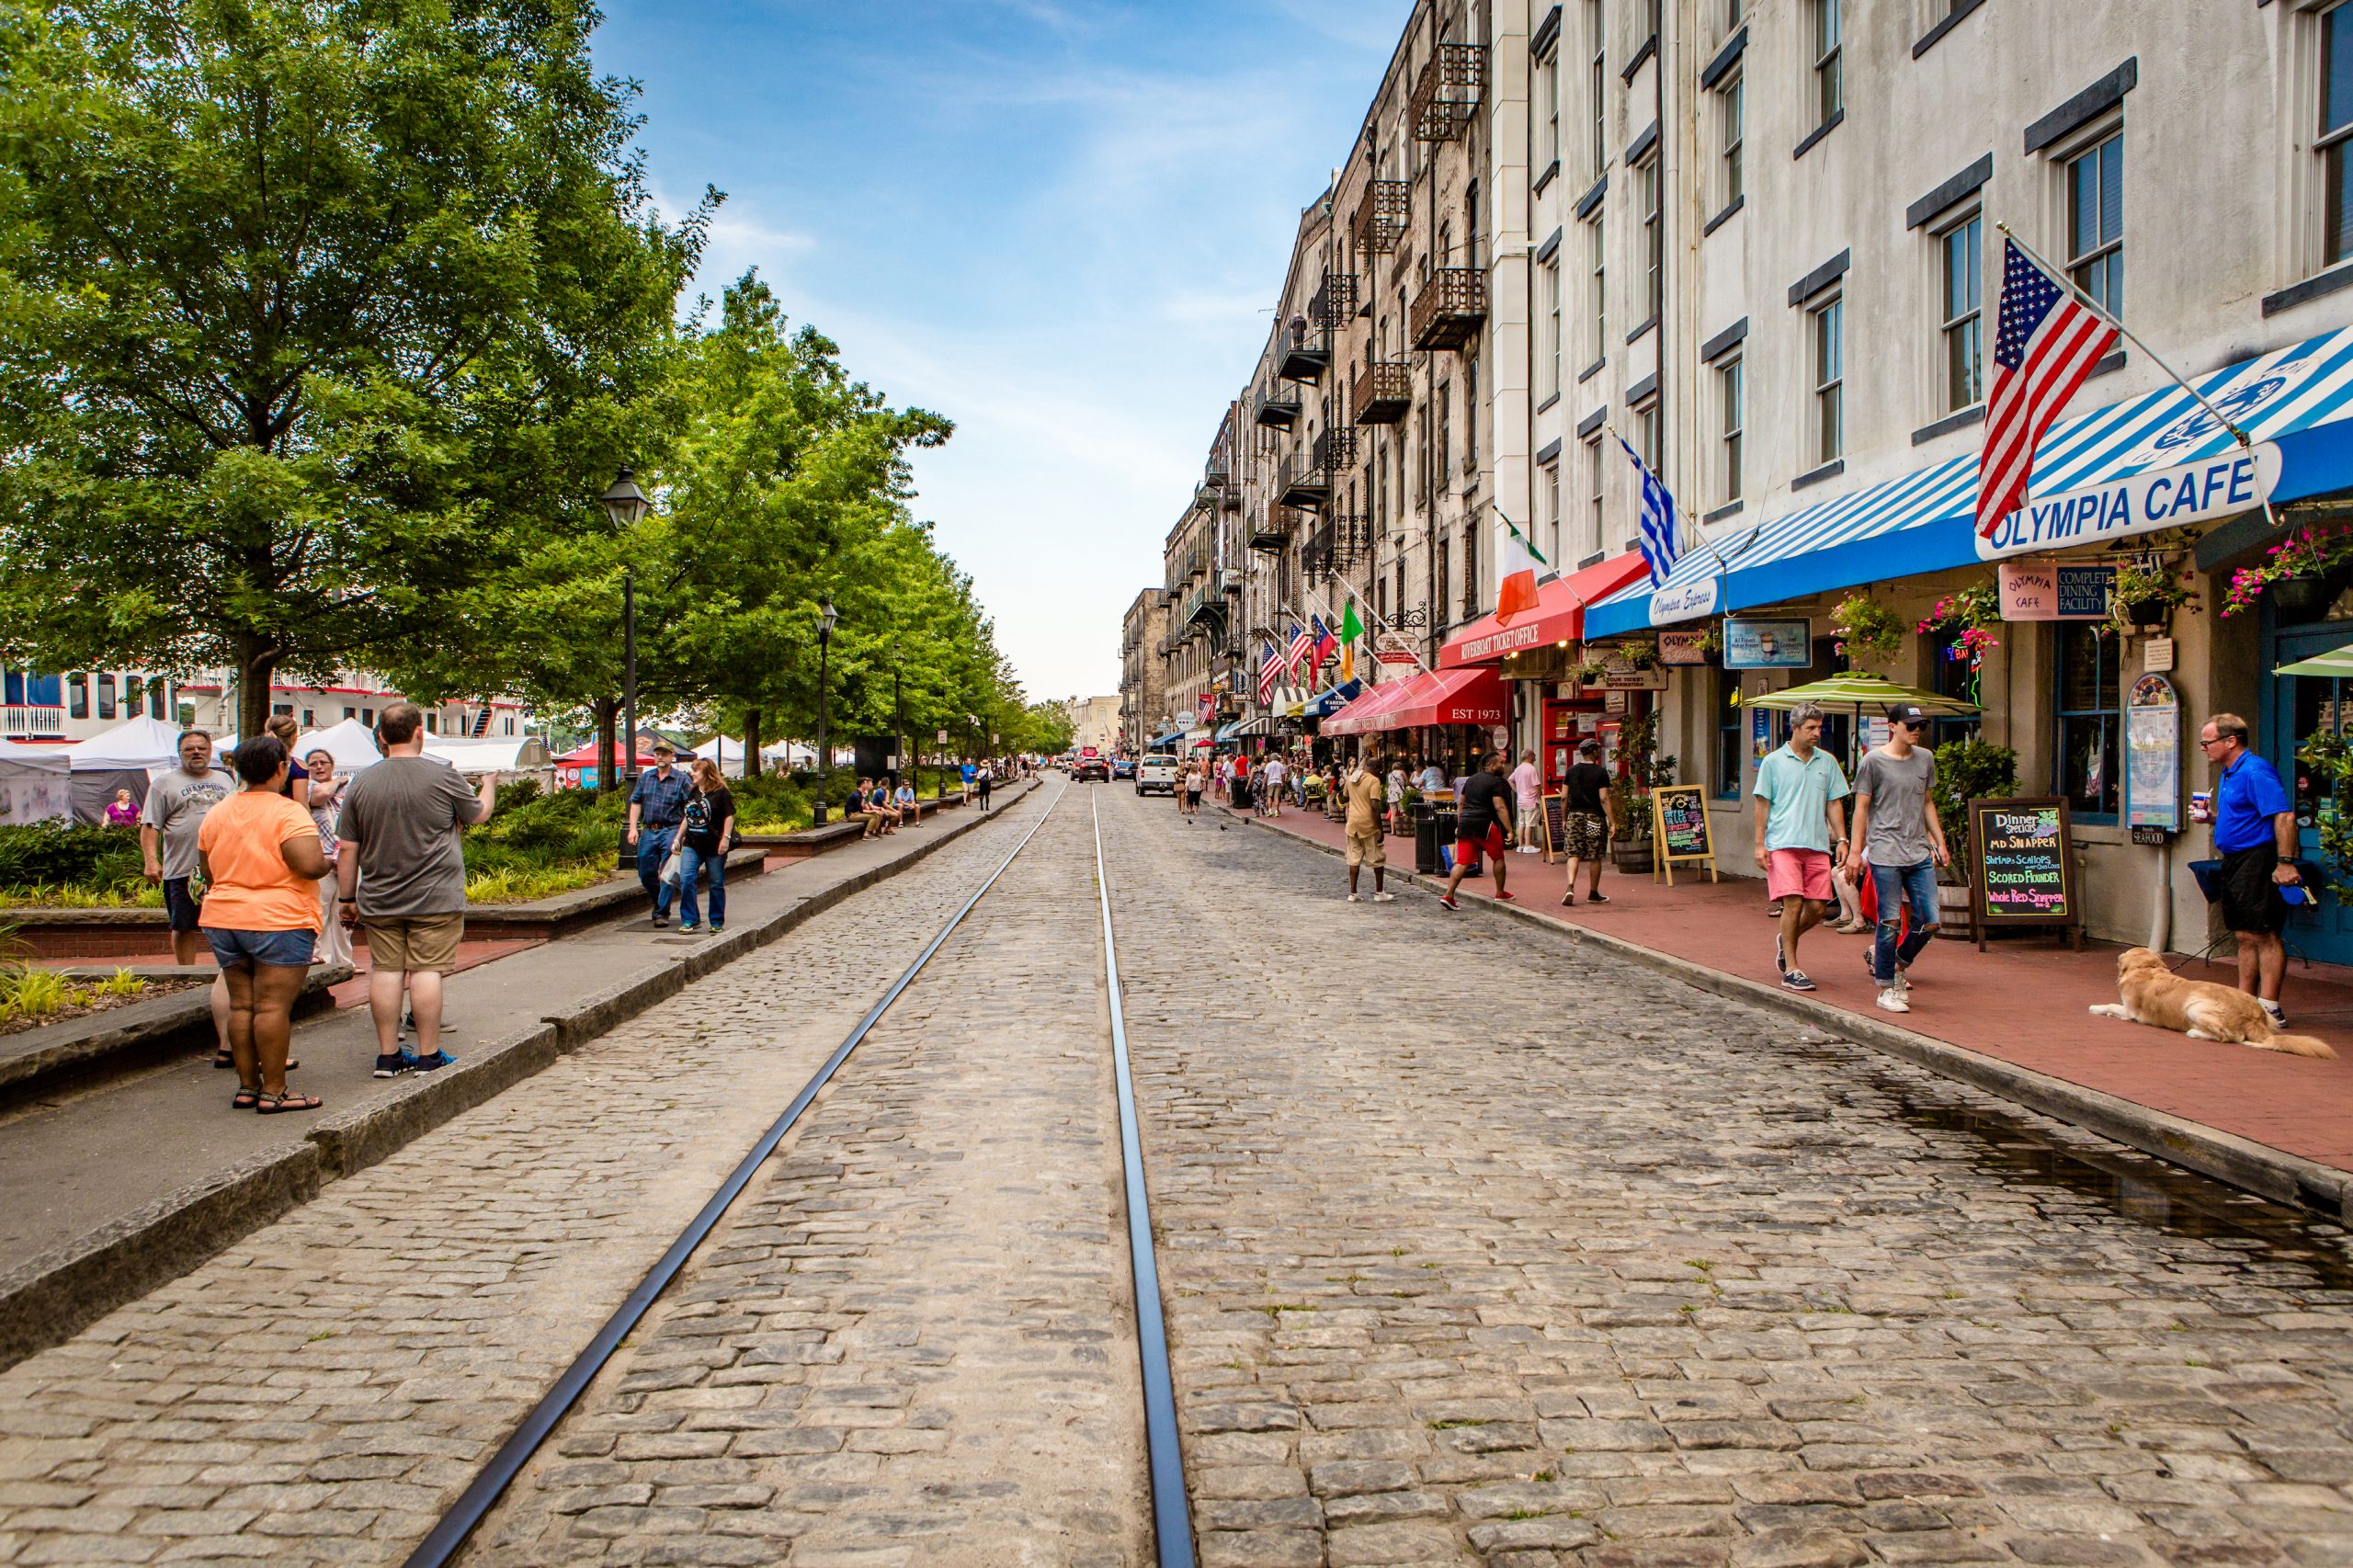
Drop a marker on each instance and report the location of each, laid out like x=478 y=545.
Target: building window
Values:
x=2336 y=130
x=2087 y=749
x=1439 y=578
x=508 y=723
x=1732 y=415
x=1548 y=110
x=1961 y=250
x=1593 y=498
x=1654 y=245
x=1471 y=601
x=1548 y=354
x=1731 y=734
x=1551 y=534
x=1730 y=131
x=105 y=695
x=1596 y=87
x=1596 y=307
x=1647 y=425
x=156 y=697
x=1829 y=87
x=309 y=719
x=2096 y=222
x=77 y=694
x=1829 y=380
x=351 y=712
x=1445 y=448
x=433 y=723
x=367 y=715
x=1470 y=416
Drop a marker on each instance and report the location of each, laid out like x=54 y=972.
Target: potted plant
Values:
x=2304 y=574
x=2143 y=599
x=1867 y=631
x=1640 y=653
x=1711 y=640
x=1966 y=770
x=1592 y=672
x=1644 y=770
x=2329 y=754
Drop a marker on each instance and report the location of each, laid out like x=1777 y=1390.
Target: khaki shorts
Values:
x=414 y=944
x=1368 y=848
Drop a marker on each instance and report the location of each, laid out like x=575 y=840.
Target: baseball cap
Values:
x=1910 y=713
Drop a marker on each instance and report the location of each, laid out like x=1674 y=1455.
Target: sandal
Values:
x=272 y=1104
x=246 y=1099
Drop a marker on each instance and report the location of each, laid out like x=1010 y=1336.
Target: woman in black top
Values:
x=705 y=835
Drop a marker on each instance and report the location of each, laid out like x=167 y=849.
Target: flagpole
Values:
x=1382 y=624
x=2247 y=443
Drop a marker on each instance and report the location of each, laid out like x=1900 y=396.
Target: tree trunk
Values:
x=606 y=708
x=257 y=665
x=751 y=743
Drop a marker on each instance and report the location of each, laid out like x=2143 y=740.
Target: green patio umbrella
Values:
x=2337 y=661
x=1856 y=692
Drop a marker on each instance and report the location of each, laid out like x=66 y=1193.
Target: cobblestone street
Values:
x=1477 y=1249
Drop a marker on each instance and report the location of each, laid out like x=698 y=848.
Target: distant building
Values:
x=1094 y=721
x=1143 y=687
x=61 y=708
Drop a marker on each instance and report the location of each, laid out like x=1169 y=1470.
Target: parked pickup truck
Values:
x=1157 y=771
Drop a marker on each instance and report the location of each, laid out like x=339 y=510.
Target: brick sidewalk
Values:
x=2022 y=1001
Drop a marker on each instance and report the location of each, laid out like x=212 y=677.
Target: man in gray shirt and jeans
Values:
x=1896 y=824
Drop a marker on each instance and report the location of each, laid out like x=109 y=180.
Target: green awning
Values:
x=2337 y=661
x=1857 y=691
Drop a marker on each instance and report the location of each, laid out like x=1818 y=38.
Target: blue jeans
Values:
x=691 y=860
x=653 y=848
x=278 y=949
x=1895 y=886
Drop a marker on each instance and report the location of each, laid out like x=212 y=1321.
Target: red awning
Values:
x=1559 y=615
x=1475 y=696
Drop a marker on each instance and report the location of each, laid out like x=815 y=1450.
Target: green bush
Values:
x=1969 y=770
x=101 y=859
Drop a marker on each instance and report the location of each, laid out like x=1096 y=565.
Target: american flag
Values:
x=1658 y=542
x=1302 y=645
x=2044 y=346
x=1269 y=668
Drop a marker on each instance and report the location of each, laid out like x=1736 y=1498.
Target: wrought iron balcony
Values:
x=1351 y=539
x=1315 y=555
x=1447 y=93
x=1216 y=474
x=1275 y=527
x=1451 y=308
x=1384 y=393
x=1381 y=216
x=1277 y=408
x=1301 y=481
x=1335 y=449
x=1308 y=354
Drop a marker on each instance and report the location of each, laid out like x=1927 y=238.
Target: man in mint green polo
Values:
x=1800 y=835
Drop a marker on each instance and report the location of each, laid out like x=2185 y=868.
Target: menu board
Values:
x=1679 y=828
x=2024 y=872
x=2152 y=756
x=1556 y=825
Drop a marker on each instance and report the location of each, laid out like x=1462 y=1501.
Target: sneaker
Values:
x=395 y=1064
x=660 y=921
x=2273 y=1011
x=1795 y=980
x=1446 y=900
x=1596 y=898
x=1508 y=898
x=1569 y=898
x=1384 y=898
x=433 y=1064
x=717 y=927
x=1890 y=1000
x=1352 y=897
x=688 y=927
x=1780 y=955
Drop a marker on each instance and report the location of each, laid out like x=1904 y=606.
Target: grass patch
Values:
x=1452 y=1425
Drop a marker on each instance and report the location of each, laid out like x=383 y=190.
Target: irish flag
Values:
x=1516 y=587
x=1350 y=630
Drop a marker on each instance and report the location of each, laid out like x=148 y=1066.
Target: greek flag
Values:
x=1659 y=548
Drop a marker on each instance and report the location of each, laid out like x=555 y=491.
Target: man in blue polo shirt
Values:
x=2255 y=833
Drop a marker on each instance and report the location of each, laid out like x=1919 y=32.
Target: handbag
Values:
x=670 y=869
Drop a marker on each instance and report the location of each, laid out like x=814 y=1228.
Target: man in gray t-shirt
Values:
x=176 y=803
x=1896 y=824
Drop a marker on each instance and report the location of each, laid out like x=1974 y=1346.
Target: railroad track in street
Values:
x=1171 y=1522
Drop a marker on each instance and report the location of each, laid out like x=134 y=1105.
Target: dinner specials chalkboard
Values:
x=2024 y=871
x=1680 y=829
x=1556 y=826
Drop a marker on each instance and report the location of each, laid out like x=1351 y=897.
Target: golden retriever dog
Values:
x=2155 y=995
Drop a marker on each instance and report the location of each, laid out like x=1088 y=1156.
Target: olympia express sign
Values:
x=2236 y=481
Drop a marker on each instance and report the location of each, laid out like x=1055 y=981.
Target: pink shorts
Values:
x=1798 y=873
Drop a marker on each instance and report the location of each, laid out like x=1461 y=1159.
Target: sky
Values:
x=1062 y=223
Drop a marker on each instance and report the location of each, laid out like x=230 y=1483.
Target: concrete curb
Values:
x=2256 y=1168
x=50 y=1297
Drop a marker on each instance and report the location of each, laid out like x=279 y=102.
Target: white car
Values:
x=1157 y=771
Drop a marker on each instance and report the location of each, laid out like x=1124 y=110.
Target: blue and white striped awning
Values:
x=2152 y=462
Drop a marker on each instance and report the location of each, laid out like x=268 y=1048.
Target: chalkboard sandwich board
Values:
x=1679 y=830
x=2024 y=870
x=1556 y=826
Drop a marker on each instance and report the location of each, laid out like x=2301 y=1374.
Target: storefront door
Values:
x=1566 y=722
x=2296 y=707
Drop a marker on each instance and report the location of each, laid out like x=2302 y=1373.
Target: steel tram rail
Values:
x=1172 y=1523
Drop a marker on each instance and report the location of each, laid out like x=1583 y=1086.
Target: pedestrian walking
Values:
x=1800 y=835
x=1898 y=834
x=177 y=801
x=984 y=780
x=1189 y=799
x=655 y=804
x=2255 y=833
x=1274 y=776
x=122 y=810
x=968 y=781
x=1363 y=793
x=260 y=851
x=402 y=868
x=297 y=788
x=706 y=832
x=326 y=801
x=1483 y=819
x=1397 y=796
x=1527 y=793
x=1589 y=821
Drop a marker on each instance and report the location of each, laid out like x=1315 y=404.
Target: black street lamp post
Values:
x=626 y=505
x=827 y=617
x=899 y=721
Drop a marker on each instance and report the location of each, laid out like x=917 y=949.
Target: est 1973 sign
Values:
x=2237 y=481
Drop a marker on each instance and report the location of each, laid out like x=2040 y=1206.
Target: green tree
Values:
x=314 y=315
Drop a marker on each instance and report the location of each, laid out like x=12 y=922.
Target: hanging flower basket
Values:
x=2304 y=572
x=1867 y=631
x=2145 y=600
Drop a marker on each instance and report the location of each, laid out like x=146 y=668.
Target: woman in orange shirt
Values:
x=262 y=863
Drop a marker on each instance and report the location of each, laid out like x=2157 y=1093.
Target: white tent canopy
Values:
x=142 y=742
x=34 y=784
x=513 y=754
x=728 y=754
x=791 y=753
x=351 y=743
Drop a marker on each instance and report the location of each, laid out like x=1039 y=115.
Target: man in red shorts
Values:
x=1483 y=821
x=1800 y=835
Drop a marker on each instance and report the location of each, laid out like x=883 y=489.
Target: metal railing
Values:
x=1384 y=393
x=1383 y=216
x=32 y=719
x=1446 y=95
x=1451 y=308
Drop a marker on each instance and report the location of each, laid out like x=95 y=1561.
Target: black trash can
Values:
x=1432 y=830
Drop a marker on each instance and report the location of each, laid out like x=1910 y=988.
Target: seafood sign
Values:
x=2023 y=869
